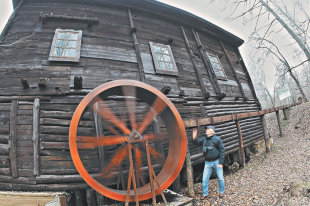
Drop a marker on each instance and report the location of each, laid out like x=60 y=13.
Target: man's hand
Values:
x=194 y=133
x=220 y=166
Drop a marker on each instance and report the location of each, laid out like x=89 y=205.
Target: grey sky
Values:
x=5 y=12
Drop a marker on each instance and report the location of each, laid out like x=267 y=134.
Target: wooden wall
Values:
x=107 y=53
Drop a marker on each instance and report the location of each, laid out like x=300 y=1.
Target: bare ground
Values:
x=281 y=177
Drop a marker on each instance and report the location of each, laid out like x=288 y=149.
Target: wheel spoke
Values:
x=153 y=137
x=103 y=122
x=87 y=142
x=131 y=104
x=104 y=111
x=138 y=165
x=157 y=108
x=158 y=156
x=120 y=154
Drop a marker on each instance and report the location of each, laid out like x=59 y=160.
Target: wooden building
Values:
x=194 y=62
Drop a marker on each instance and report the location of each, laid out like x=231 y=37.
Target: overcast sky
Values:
x=5 y=12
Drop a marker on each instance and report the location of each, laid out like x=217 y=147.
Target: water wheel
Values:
x=139 y=144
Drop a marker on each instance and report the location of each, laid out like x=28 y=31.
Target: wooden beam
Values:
x=205 y=93
x=91 y=197
x=227 y=118
x=137 y=47
x=13 y=138
x=285 y=113
x=189 y=172
x=79 y=197
x=233 y=70
x=279 y=123
x=53 y=17
x=35 y=137
x=247 y=75
x=241 y=146
x=266 y=136
x=207 y=65
x=22 y=98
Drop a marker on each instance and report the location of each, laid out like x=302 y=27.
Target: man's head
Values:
x=210 y=130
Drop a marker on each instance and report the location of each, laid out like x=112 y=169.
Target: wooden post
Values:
x=137 y=47
x=266 y=138
x=91 y=197
x=13 y=138
x=279 y=122
x=176 y=185
x=241 y=146
x=205 y=93
x=189 y=172
x=285 y=113
x=207 y=64
x=150 y=174
x=131 y=178
x=35 y=137
x=79 y=199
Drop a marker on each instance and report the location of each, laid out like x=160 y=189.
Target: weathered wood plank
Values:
x=111 y=53
x=201 y=83
x=13 y=139
x=4 y=138
x=136 y=46
x=225 y=118
x=35 y=137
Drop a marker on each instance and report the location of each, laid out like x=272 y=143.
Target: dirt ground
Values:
x=281 y=177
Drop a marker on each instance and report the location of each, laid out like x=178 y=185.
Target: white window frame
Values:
x=159 y=70
x=76 y=58
x=210 y=56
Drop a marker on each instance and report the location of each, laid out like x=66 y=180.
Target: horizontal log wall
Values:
x=5 y=110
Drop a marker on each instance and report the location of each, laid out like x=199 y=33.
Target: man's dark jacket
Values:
x=212 y=148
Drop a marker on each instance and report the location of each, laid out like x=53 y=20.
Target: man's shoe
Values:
x=203 y=197
x=221 y=195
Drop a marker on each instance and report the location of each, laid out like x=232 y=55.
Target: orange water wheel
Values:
x=138 y=146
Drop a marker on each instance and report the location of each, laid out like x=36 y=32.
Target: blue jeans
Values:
x=207 y=174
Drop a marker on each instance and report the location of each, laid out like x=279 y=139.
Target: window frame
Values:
x=159 y=70
x=75 y=58
x=210 y=56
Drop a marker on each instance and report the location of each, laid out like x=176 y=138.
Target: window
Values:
x=66 y=46
x=163 y=59
x=217 y=66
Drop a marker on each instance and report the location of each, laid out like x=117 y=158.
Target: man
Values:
x=214 y=153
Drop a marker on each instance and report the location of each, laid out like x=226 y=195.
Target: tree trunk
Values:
x=288 y=29
x=298 y=85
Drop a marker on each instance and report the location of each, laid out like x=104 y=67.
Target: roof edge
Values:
x=199 y=22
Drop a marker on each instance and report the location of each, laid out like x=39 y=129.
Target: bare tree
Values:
x=299 y=41
x=263 y=93
x=269 y=19
x=259 y=11
x=275 y=51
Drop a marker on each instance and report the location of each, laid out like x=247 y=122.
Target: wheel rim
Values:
x=133 y=132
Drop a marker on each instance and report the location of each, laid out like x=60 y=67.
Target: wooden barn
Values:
x=54 y=52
